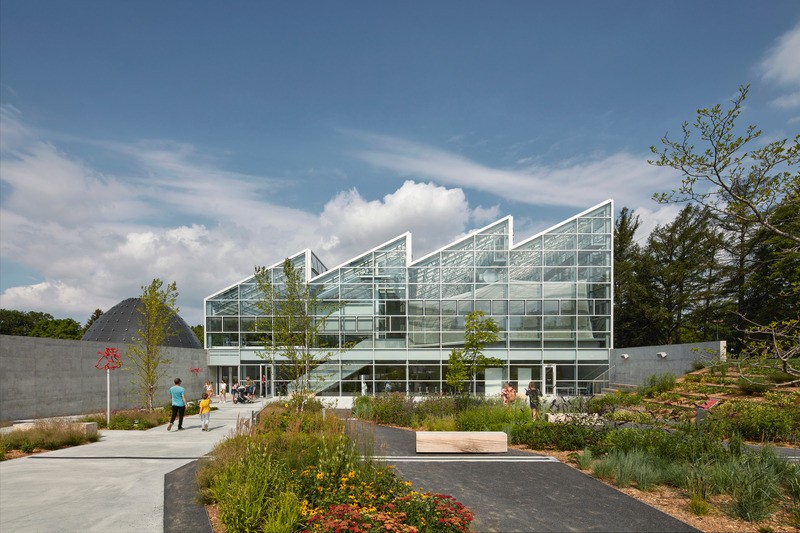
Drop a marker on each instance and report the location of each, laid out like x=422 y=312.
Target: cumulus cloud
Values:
x=431 y=213
x=96 y=237
x=781 y=66
x=623 y=176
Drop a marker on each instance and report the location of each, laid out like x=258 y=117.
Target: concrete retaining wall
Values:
x=55 y=377
x=643 y=362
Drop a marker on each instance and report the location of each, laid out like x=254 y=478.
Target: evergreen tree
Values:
x=682 y=260
x=92 y=319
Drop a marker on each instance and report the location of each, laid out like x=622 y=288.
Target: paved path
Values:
x=518 y=491
x=115 y=484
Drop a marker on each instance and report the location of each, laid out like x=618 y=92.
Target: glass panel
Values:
x=559 y=274
x=465 y=307
x=213 y=324
x=533 y=307
x=560 y=258
x=230 y=324
x=499 y=307
x=449 y=307
x=550 y=307
x=516 y=307
x=484 y=305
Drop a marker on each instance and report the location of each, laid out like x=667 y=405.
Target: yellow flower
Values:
x=320 y=475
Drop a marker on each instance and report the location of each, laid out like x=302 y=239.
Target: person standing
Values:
x=209 y=389
x=534 y=394
x=223 y=388
x=205 y=411
x=178 y=395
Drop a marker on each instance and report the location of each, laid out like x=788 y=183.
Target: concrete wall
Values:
x=643 y=362
x=55 y=377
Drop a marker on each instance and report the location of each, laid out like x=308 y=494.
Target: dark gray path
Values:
x=517 y=491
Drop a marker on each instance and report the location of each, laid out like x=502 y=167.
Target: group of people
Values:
x=178 y=399
x=509 y=395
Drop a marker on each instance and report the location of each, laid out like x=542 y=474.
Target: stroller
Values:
x=239 y=394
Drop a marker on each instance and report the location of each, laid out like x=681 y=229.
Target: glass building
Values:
x=399 y=318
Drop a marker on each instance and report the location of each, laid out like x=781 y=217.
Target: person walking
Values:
x=178 y=395
x=205 y=411
x=534 y=394
x=209 y=389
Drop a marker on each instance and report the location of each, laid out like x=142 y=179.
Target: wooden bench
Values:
x=462 y=442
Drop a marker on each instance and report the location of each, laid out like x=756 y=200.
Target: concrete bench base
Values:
x=462 y=442
x=89 y=428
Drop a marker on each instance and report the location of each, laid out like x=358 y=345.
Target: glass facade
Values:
x=397 y=320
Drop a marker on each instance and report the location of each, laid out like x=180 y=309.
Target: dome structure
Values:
x=121 y=322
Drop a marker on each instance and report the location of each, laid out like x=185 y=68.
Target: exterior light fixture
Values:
x=624 y=355
x=662 y=355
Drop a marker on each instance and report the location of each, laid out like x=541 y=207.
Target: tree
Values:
x=632 y=297
x=20 y=323
x=57 y=328
x=732 y=183
x=457 y=372
x=199 y=332
x=157 y=310
x=682 y=267
x=478 y=333
x=295 y=318
x=92 y=319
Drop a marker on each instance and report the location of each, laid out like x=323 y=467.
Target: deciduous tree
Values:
x=295 y=319
x=479 y=332
x=727 y=175
x=146 y=357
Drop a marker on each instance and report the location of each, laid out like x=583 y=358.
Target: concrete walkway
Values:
x=115 y=484
x=118 y=484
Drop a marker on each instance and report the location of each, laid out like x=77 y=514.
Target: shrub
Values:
x=583 y=460
x=362 y=407
x=699 y=506
x=542 y=435
x=752 y=388
x=604 y=469
x=697 y=364
x=754 y=499
x=492 y=415
x=436 y=407
x=131 y=418
x=658 y=384
x=394 y=409
x=45 y=435
x=757 y=421
x=610 y=402
x=446 y=423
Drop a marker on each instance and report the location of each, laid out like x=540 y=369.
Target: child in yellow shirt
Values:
x=205 y=411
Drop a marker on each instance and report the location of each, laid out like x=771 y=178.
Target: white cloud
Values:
x=651 y=218
x=787 y=101
x=96 y=238
x=781 y=66
x=431 y=213
x=626 y=177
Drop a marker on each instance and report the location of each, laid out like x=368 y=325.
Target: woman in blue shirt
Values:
x=178 y=395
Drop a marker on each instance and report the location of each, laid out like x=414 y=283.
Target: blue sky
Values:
x=191 y=141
